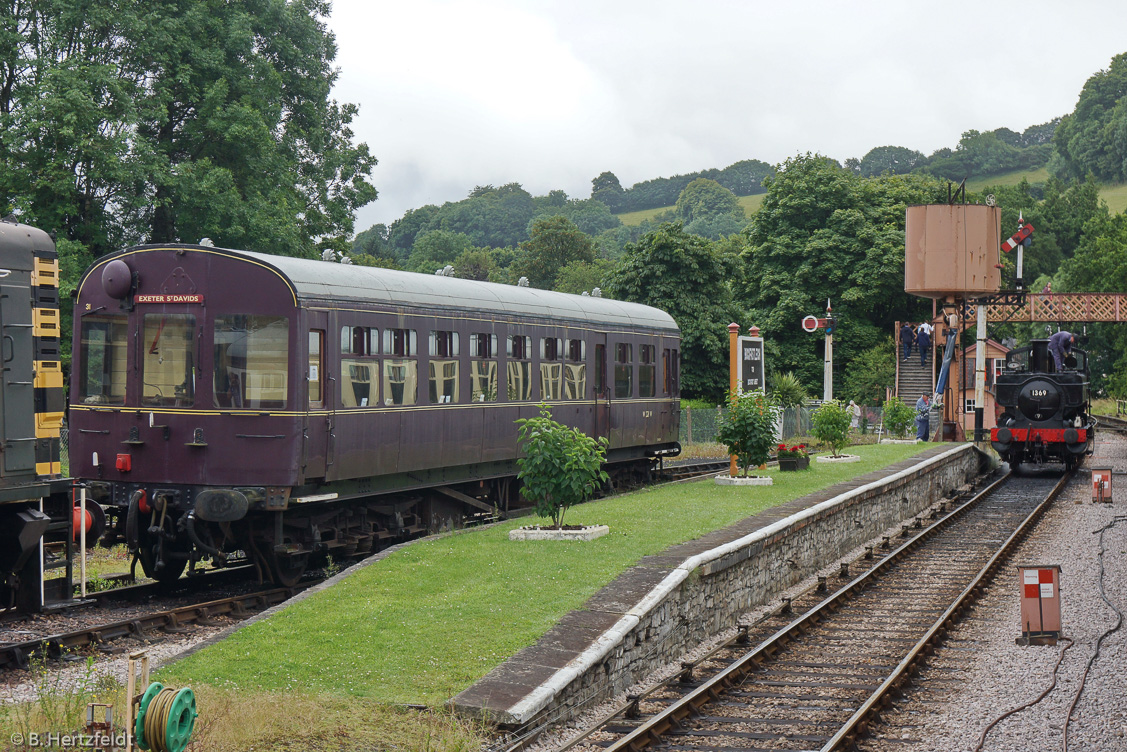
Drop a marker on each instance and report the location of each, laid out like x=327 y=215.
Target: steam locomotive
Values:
x=1046 y=412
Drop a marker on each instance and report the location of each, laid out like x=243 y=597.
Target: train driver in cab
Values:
x=1060 y=345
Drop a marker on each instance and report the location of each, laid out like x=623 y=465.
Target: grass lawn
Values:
x=430 y=620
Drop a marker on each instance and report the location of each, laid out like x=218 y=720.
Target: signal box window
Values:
x=575 y=370
x=647 y=372
x=518 y=369
x=623 y=370
x=251 y=361
x=400 y=374
x=483 y=367
x=443 y=347
x=103 y=359
x=359 y=373
x=551 y=369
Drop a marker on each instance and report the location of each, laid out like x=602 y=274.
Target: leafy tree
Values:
x=373 y=242
x=379 y=262
x=403 y=231
x=561 y=466
x=871 y=373
x=830 y=424
x=685 y=276
x=554 y=243
x=435 y=249
x=579 y=277
x=607 y=190
x=707 y=199
x=898 y=417
x=825 y=233
x=748 y=428
x=745 y=178
x=895 y=160
x=475 y=263
x=1093 y=138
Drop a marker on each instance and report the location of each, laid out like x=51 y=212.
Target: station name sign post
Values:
x=746 y=367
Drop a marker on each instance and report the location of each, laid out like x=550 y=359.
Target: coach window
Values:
x=316 y=374
x=575 y=370
x=359 y=367
x=551 y=369
x=103 y=360
x=168 y=372
x=669 y=370
x=600 y=371
x=647 y=372
x=483 y=367
x=443 y=367
x=400 y=371
x=519 y=369
x=251 y=362
x=623 y=370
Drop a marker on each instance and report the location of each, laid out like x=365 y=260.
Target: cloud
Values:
x=550 y=94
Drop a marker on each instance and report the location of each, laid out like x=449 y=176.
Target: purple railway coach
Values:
x=224 y=401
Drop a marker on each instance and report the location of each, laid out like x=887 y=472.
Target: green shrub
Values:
x=788 y=390
x=830 y=424
x=748 y=429
x=562 y=466
x=898 y=417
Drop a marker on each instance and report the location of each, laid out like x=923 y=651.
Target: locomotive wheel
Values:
x=287 y=569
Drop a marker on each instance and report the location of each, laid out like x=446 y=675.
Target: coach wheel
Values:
x=287 y=569
x=148 y=553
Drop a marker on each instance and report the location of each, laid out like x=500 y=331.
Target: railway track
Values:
x=169 y=621
x=818 y=680
x=1111 y=422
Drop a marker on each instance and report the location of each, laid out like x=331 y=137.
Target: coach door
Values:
x=601 y=387
x=16 y=386
x=318 y=429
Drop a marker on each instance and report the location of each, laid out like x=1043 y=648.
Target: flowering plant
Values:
x=793 y=452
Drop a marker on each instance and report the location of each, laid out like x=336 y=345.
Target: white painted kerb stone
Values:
x=842 y=458
x=755 y=480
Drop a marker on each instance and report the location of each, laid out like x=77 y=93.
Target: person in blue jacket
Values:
x=1060 y=345
x=907 y=337
x=923 y=339
x=923 y=417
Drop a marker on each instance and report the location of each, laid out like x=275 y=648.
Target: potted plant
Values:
x=830 y=425
x=793 y=457
x=898 y=417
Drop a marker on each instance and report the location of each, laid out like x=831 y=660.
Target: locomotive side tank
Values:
x=229 y=401
x=1046 y=416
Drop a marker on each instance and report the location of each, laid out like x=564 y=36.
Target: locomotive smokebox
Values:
x=952 y=250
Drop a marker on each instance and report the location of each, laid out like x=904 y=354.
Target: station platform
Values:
x=671 y=602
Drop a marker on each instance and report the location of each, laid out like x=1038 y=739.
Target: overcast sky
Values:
x=550 y=94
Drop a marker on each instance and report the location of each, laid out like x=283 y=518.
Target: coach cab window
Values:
x=168 y=360
x=575 y=370
x=551 y=368
x=443 y=350
x=251 y=362
x=623 y=370
x=483 y=367
x=647 y=372
x=400 y=369
x=103 y=360
x=519 y=368
x=359 y=367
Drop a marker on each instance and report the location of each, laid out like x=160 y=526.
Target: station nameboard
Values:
x=752 y=369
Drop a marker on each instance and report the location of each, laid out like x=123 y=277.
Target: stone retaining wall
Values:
x=685 y=604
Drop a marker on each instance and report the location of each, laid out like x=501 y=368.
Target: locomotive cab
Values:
x=1046 y=412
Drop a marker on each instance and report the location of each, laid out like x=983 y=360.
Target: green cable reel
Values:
x=165 y=719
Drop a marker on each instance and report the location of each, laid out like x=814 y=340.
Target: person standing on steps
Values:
x=923 y=339
x=907 y=337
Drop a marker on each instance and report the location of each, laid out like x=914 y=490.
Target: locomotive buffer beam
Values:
x=465 y=499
